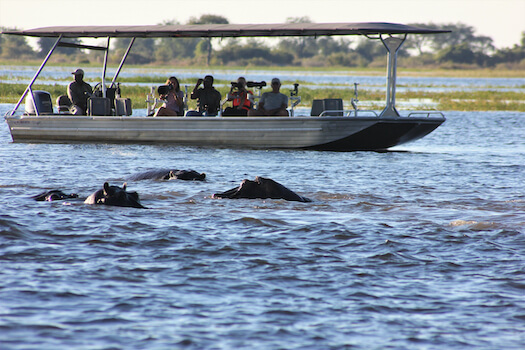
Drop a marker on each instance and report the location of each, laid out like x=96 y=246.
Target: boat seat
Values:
x=328 y=104
x=63 y=104
x=99 y=106
x=123 y=106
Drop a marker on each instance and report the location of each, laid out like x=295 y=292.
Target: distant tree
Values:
x=281 y=57
x=14 y=46
x=306 y=47
x=142 y=52
x=205 y=44
x=515 y=54
x=204 y=48
x=168 y=49
x=300 y=47
x=351 y=59
x=370 y=49
x=460 y=53
x=45 y=44
x=327 y=45
x=208 y=19
x=420 y=42
x=254 y=51
x=172 y=48
x=461 y=34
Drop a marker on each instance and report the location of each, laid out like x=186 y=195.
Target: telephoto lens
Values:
x=164 y=89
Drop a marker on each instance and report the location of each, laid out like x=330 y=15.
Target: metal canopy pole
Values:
x=122 y=62
x=392 y=45
x=36 y=76
x=104 y=70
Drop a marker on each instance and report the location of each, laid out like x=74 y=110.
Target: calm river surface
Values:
x=419 y=248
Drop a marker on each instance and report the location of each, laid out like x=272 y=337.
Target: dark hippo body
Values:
x=115 y=196
x=54 y=195
x=261 y=188
x=169 y=174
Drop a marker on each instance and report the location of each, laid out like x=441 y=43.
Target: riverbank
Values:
x=462 y=72
x=462 y=90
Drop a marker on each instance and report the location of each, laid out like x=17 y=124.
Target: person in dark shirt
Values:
x=78 y=92
x=208 y=98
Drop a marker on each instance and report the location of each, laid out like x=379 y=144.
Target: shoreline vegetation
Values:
x=454 y=71
x=370 y=98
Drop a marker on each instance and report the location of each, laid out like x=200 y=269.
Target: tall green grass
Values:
x=488 y=100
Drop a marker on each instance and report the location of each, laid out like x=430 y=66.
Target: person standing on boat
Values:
x=273 y=103
x=78 y=92
x=174 y=100
x=241 y=103
x=208 y=98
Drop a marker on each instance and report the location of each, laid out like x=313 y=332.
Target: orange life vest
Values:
x=237 y=100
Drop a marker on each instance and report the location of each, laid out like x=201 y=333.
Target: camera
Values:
x=235 y=85
x=257 y=84
x=295 y=90
x=164 y=89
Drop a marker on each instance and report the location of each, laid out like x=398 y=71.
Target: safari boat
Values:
x=327 y=128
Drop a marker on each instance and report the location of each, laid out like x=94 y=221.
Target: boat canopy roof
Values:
x=226 y=30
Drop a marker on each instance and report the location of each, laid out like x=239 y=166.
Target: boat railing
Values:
x=348 y=113
x=428 y=114
x=372 y=113
x=295 y=98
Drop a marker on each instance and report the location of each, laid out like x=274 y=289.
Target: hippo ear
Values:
x=124 y=185
x=106 y=188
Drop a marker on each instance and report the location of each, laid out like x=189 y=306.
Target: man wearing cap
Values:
x=272 y=103
x=78 y=92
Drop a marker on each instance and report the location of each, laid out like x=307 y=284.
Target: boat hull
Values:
x=321 y=133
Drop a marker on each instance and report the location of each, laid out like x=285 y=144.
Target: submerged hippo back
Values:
x=261 y=188
x=168 y=174
x=154 y=174
x=275 y=190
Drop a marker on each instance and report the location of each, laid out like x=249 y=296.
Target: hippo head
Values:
x=53 y=195
x=115 y=196
x=191 y=175
x=118 y=196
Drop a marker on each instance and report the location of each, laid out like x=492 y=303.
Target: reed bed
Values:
x=477 y=100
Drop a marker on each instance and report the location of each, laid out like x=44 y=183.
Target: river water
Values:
x=422 y=247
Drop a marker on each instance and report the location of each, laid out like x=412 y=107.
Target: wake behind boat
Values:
x=329 y=127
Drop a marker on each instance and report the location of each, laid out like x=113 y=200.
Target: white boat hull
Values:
x=324 y=133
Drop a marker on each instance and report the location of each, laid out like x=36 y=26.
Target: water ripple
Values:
x=420 y=249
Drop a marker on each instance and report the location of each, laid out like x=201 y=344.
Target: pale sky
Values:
x=502 y=20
